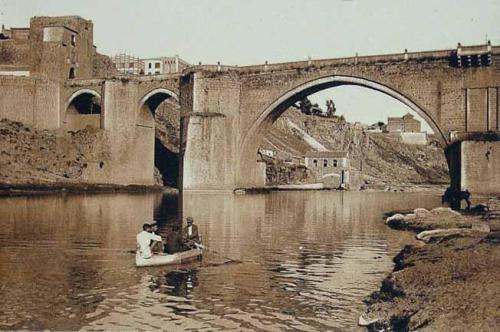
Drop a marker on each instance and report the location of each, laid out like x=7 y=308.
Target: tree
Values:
x=330 y=108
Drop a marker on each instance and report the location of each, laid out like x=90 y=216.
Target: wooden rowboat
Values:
x=174 y=259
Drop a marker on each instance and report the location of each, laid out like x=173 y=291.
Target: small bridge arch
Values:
x=150 y=101
x=82 y=109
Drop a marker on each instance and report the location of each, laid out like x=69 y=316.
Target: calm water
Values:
x=309 y=258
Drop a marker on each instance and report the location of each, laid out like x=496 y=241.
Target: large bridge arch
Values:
x=252 y=139
x=283 y=102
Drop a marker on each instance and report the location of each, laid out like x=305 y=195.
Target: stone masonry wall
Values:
x=34 y=102
x=480 y=167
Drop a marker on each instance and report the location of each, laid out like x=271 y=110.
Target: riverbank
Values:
x=438 y=188
x=31 y=189
x=449 y=283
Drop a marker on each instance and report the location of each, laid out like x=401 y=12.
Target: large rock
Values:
x=436 y=234
x=422 y=220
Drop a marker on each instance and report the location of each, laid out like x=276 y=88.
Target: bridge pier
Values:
x=474 y=164
x=207 y=152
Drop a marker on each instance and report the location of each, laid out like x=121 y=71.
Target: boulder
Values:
x=395 y=217
x=444 y=212
x=428 y=236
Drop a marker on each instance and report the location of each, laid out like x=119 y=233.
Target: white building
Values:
x=164 y=65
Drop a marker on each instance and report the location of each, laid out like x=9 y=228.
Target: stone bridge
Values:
x=227 y=109
x=124 y=108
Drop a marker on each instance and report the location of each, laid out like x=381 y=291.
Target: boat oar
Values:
x=201 y=246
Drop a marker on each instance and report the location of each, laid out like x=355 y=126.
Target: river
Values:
x=307 y=260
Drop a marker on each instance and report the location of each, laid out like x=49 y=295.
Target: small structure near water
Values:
x=329 y=167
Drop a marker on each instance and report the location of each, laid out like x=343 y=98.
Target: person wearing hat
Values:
x=190 y=236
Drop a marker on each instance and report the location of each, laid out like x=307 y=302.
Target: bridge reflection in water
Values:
x=308 y=259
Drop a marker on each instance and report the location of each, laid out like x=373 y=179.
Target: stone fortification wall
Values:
x=32 y=101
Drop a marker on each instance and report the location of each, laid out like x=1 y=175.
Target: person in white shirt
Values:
x=159 y=246
x=146 y=241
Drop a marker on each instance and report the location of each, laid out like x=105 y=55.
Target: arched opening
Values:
x=83 y=109
x=71 y=74
x=321 y=156
x=149 y=103
x=159 y=114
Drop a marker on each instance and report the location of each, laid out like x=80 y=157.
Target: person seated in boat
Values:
x=147 y=241
x=190 y=236
x=157 y=246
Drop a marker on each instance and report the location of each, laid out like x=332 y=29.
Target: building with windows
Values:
x=128 y=64
x=329 y=167
x=56 y=48
x=407 y=128
x=164 y=65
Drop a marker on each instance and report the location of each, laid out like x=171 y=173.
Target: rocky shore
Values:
x=449 y=282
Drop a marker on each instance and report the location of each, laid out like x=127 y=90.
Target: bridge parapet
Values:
x=447 y=55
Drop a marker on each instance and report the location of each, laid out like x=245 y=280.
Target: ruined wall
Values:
x=102 y=66
x=29 y=100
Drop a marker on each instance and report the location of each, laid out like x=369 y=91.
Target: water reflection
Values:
x=308 y=258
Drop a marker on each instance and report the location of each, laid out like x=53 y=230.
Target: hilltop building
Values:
x=407 y=128
x=405 y=124
x=164 y=65
x=130 y=65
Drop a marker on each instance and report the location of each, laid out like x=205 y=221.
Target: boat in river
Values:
x=173 y=259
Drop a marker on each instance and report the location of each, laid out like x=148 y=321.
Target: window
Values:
x=131 y=65
x=157 y=72
x=73 y=40
x=315 y=163
x=325 y=162
x=71 y=73
x=149 y=65
x=335 y=163
x=157 y=65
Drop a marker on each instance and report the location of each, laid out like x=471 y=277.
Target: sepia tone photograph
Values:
x=231 y=165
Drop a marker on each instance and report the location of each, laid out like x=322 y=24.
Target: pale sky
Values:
x=251 y=32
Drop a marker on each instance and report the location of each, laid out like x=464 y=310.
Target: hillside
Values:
x=33 y=156
x=383 y=159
